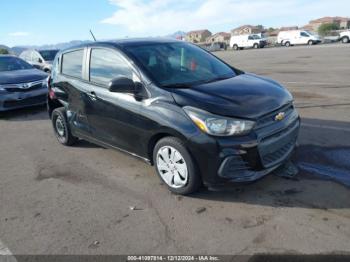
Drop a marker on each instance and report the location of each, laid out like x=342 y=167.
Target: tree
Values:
x=325 y=29
x=4 y=51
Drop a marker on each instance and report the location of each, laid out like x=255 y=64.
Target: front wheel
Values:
x=175 y=166
x=255 y=46
x=61 y=127
x=287 y=44
x=310 y=42
x=345 y=40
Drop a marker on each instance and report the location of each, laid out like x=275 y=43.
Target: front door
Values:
x=113 y=117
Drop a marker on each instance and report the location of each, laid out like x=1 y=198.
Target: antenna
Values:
x=92 y=35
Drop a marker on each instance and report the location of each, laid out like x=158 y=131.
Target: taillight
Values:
x=51 y=92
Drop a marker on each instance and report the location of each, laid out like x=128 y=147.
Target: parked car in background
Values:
x=41 y=59
x=247 y=41
x=297 y=37
x=21 y=85
x=175 y=105
x=345 y=37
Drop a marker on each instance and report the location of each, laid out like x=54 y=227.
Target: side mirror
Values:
x=122 y=84
x=40 y=60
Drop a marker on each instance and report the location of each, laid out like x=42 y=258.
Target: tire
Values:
x=310 y=42
x=287 y=44
x=175 y=166
x=345 y=40
x=235 y=47
x=61 y=127
x=255 y=46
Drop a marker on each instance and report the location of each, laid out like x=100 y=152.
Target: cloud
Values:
x=158 y=17
x=19 y=34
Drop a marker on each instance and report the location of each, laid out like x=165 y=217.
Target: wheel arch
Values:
x=158 y=136
x=52 y=104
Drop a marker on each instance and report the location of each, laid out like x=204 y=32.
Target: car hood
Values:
x=21 y=76
x=244 y=96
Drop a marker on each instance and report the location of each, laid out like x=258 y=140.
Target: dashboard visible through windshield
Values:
x=179 y=64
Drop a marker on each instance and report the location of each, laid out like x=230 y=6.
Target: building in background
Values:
x=198 y=36
x=248 y=29
x=220 y=37
x=342 y=22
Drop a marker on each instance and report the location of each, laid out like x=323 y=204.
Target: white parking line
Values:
x=5 y=254
x=326 y=127
x=313 y=83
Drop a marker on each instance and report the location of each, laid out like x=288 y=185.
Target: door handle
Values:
x=92 y=95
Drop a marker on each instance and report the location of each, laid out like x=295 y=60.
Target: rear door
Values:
x=72 y=90
x=114 y=117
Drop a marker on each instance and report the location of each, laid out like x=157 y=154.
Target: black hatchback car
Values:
x=197 y=119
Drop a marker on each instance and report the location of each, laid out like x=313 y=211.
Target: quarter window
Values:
x=106 y=65
x=72 y=63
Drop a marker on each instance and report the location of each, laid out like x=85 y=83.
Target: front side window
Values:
x=107 y=64
x=304 y=34
x=72 y=63
x=178 y=64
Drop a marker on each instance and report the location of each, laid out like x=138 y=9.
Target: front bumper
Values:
x=15 y=100
x=247 y=158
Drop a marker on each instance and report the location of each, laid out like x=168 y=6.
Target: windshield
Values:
x=48 y=55
x=179 y=64
x=9 y=63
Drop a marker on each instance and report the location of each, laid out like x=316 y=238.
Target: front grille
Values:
x=275 y=148
x=279 y=154
x=269 y=118
x=30 y=86
x=25 y=102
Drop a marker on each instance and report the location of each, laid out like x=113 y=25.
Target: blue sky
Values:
x=37 y=22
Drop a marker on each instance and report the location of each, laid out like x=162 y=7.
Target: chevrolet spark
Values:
x=195 y=118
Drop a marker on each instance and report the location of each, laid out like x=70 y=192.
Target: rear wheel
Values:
x=345 y=40
x=175 y=166
x=61 y=127
x=235 y=47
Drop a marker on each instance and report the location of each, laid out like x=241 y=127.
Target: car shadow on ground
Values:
x=25 y=114
x=323 y=181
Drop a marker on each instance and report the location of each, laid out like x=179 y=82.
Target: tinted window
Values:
x=174 y=64
x=9 y=63
x=106 y=65
x=72 y=63
x=48 y=55
x=304 y=34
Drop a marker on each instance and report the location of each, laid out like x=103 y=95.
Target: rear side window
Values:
x=72 y=63
x=107 y=64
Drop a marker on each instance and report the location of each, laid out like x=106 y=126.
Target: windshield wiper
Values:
x=216 y=79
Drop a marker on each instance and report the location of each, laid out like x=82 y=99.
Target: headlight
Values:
x=218 y=125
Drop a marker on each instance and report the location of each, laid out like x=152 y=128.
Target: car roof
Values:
x=124 y=42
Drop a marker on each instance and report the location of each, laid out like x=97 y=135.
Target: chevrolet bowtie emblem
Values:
x=280 y=116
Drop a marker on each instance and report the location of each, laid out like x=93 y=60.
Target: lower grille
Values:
x=277 y=147
x=231 y=165
x=25 y=102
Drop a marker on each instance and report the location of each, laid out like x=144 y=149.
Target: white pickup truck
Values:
x=345 y=37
